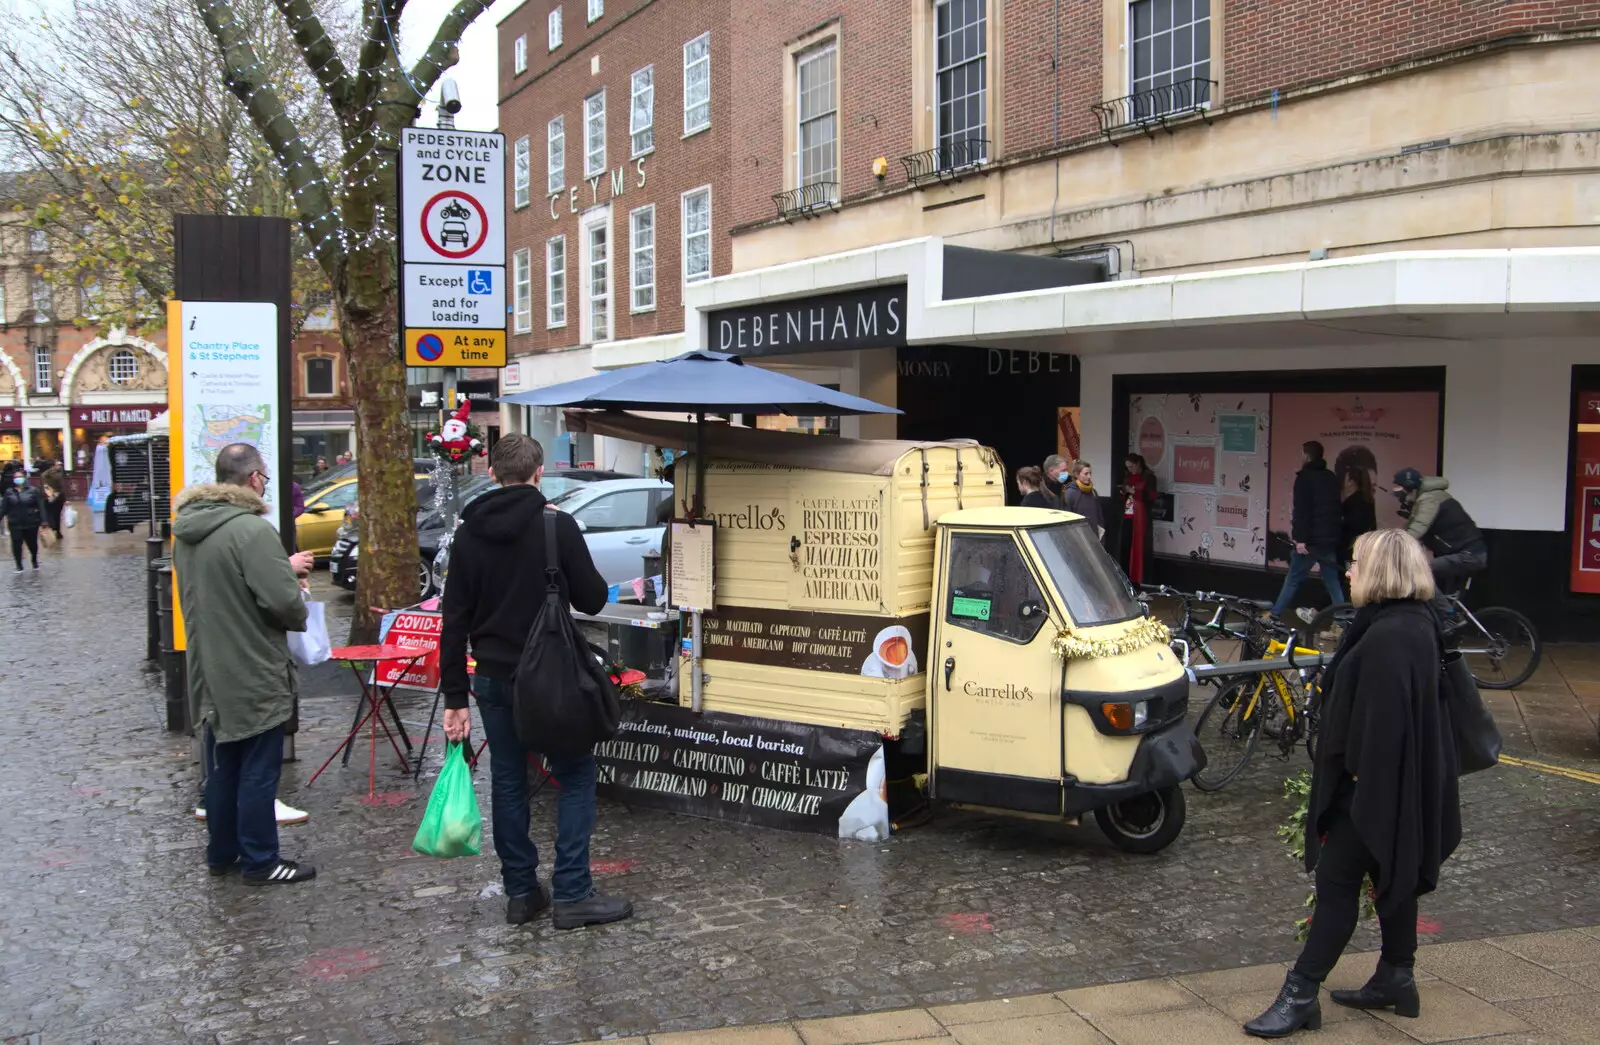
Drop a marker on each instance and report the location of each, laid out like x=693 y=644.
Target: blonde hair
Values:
x=1390 y=564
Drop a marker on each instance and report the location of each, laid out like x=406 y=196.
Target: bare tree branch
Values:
x=244 y=76
x=445 y=51
x=320 y=52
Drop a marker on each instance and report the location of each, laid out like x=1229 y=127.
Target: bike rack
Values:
x=1258 y=667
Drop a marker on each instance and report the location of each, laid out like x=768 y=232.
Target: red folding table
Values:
x=373 y=698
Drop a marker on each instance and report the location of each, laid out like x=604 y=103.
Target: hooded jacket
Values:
x=497 y=581
x=1386 y=752
x=239 y=597
x=1439 y=521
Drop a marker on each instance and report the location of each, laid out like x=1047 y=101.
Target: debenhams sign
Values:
x=873 y=318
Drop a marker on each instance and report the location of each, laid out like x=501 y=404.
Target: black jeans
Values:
x=1451 y=571
x=1342 y=867
x=28 y=535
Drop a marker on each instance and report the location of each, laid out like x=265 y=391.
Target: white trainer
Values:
x=285 y=813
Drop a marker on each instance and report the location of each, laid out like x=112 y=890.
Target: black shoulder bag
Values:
x=562 y=699
x=1477 y=738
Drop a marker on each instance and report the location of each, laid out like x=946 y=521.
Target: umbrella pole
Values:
x=696 y=680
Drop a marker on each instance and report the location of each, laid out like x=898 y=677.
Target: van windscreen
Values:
x=1087 y=578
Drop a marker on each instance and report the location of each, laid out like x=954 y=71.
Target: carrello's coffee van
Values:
x=878 y=601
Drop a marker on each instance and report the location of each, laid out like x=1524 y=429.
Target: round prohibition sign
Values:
x=452 y=226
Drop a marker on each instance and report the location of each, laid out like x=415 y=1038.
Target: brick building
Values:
x=1203 y=229
x=618 y=117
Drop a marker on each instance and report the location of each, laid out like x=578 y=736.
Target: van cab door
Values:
x=994 y=701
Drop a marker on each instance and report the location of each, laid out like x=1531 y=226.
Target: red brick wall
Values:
x=875 y=117
x=630 y=35
x=1030 y=72
x=323 y=343
x=1292 y=43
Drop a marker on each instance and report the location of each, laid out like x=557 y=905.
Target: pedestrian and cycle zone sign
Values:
x=452 y=248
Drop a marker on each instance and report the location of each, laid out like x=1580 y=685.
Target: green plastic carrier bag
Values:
x=452 y=824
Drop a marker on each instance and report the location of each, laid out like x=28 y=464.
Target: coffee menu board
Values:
x=735 y=767
x=689 y=577
x=843 y=643
x=837 y=551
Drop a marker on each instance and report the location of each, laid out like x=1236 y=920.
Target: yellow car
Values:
x=315 y=529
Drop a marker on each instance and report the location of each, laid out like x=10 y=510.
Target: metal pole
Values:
x=697 y=683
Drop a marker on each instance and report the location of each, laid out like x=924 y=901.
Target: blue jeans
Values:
x=241 y=787
x=1300 y=569
x=509 y=803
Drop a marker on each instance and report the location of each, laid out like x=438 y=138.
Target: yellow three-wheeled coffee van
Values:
x=877 y=609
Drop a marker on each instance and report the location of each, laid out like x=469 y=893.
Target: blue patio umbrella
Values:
x=699 y=383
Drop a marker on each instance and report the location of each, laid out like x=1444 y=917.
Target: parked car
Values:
x=312 y=487
x=570 y=489
x=316 y=531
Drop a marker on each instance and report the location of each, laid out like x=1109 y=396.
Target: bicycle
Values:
x=1188 y=636
x=1276 y=703
x=1501 y=646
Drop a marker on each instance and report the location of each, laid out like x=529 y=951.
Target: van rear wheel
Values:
x=1146 y=823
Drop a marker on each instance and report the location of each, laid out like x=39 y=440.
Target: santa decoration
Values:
x=458 y=439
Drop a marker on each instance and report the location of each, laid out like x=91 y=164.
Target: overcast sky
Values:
x=476 y=74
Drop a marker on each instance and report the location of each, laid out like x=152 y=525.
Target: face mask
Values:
x=17 y=480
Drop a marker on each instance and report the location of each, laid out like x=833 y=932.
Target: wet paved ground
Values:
x=111 y=931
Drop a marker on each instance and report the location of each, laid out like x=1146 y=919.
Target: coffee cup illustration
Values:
x=892 y=656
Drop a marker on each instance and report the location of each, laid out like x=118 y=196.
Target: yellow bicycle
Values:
x=1279 y=703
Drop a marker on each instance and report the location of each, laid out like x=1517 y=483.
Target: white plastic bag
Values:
x=311 y=647
x=69 y=517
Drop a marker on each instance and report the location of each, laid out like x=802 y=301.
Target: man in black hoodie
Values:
x=494 y=590
x=1316 y=527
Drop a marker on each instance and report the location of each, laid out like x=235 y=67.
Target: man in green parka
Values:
x=240 y=595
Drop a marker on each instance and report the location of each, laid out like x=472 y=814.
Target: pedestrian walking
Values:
x=496 y=587
x=1384 y=796
x=240 y=597
x=1030 y=484
x=24 y=512
x=1137 y=540
x=53 y=485
x=1055 y=475
x=1316 y=526
x=1358 y=511
x=1078 y=495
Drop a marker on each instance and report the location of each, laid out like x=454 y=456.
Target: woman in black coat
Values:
x=1384 y=800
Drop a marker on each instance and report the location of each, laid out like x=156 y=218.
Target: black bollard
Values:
x=153 y=547
x=172 y=661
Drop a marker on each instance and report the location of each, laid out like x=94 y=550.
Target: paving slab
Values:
x=1000 y=1009
x=1128 y=999
x=1201 y=1025
x=1553 y=949
x=765 y=1034
x=1222 y=982
x=1492 y=973
x=1449 y=1013
x=873 y=1027
x=1060 y=1029
x=1574 y=1016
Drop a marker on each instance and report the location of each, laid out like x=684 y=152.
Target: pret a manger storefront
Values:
x=1476 y=360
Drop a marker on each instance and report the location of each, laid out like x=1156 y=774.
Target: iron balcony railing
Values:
x=1158 y=105
x=807 y=200
x=948 y=162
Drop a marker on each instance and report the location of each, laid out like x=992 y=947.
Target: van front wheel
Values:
x=1146 y=823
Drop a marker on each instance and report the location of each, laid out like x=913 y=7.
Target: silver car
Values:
x=618 y=520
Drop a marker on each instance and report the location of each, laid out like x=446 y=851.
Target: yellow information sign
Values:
x=444 y=347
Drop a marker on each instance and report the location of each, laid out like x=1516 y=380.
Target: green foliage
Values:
x=1292 y=832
